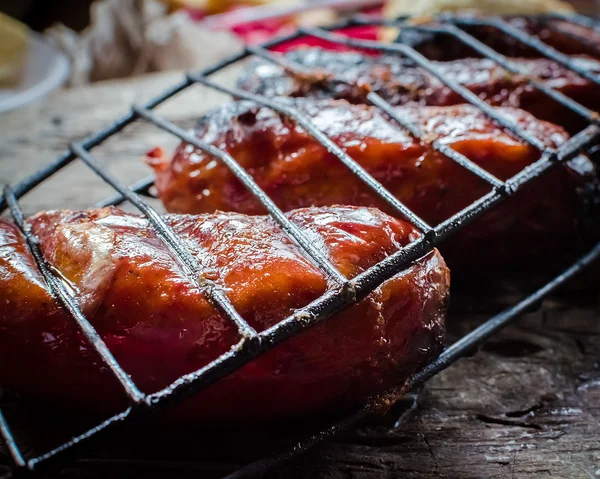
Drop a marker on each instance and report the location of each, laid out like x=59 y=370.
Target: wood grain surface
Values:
x=527 y=405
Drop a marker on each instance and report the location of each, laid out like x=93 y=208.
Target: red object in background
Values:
x=362 y=32
x=261 y=31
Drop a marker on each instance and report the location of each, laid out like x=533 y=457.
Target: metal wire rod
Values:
x=35 y=463
x=141 y=187
x=9 y=440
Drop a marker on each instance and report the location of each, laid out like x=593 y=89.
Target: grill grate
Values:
x=342 y=291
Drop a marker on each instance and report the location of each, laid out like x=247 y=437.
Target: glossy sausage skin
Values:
x=399 y=82
x=159 y=326
x=296 y=171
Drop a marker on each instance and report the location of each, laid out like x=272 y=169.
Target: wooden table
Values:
x=526 y=406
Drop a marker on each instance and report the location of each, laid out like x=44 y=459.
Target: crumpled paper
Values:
x=131 y=37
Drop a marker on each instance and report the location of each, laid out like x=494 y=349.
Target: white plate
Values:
x=46 y=69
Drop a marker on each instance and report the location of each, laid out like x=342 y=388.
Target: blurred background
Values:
x=40 y=14
x=45 y=44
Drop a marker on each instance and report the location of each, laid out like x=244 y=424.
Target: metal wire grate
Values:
x=342 y=291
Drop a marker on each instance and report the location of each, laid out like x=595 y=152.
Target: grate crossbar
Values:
x=141 y=187
x=9 y=440
x=34 y=463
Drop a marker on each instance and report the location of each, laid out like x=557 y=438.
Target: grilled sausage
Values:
x=159 y=325
x=296 y=171
x=400 y=82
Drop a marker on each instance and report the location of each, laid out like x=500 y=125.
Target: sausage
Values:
x=297 y=171
x=159 y=325
x=399 y=82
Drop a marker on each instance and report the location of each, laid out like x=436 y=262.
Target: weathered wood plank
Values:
x=34 y=136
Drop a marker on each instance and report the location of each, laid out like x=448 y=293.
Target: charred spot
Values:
x=248 y=117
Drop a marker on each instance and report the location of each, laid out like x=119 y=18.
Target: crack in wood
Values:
x=524 y=412
x=435 y=463
x=507 y=422
x=514 y=465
